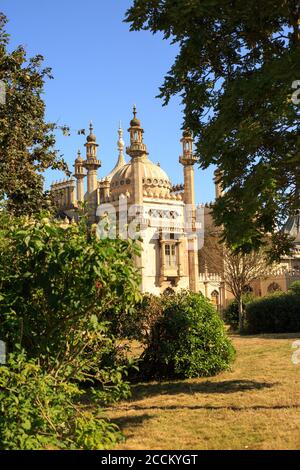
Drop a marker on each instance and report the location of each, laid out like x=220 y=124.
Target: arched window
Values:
x=274 y=287
x=215 y=297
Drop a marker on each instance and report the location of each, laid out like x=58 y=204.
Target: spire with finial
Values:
x=91 y=164
x=137 y=147
x=121 y=143
x=121 y=160
x=79 y=158
x=79 y=174
x=121 y=146
x=135 y=122
x=91 y=137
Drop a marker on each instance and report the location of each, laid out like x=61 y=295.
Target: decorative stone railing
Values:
x=206 y=277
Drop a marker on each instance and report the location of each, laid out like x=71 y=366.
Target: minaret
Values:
x=187 y=159
x=79 y=175
x=92 y=164
x=218 y=183
x=138 y=152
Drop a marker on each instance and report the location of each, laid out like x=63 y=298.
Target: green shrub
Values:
x=41 y=411
x=58 y=287
x=143 y=316
x=231 y=313
x=53 y=280
x=187 y=340
x=276 y=313
x=295 y=288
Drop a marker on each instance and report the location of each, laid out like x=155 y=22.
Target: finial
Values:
x=78 y=159
x=121 y=143
x=187 y=133
x=135 y=122
x=91 y=138
x=120 y=130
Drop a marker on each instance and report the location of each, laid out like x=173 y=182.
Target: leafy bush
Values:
x=187 y=340
x=39 y=410
x=231 y=313
x=57 y=286
x=142 y=317
x=276 y=313
x=295 y=288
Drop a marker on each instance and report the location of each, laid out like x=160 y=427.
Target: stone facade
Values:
x=141 y=200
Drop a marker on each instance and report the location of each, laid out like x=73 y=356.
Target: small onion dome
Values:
x=135 y=122
x=91 y=137
x=218 y=173
x=187 y=133
x=79 y=158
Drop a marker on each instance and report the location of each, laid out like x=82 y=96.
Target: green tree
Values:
x=26 y=140
x=235 y=71
x=58 y=288
x=56 y=284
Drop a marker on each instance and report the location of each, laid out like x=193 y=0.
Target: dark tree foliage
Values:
x=276 y=313
x=26 y=140
x=236 y=72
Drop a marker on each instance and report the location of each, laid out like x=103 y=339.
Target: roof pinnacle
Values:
x=121 y=143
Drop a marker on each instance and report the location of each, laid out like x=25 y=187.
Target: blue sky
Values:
x=100 y=70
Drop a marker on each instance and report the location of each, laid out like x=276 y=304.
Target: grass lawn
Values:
x=254 y=406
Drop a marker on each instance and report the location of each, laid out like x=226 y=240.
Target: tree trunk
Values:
x=241 y=314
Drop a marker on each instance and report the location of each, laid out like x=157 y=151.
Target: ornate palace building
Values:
x=139 y=194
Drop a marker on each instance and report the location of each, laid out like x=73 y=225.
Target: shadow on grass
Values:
x=147 y=390
x=291 y=336
x=208 y=407
x=132 y=421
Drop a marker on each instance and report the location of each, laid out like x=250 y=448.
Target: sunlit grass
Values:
x=255 y=406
